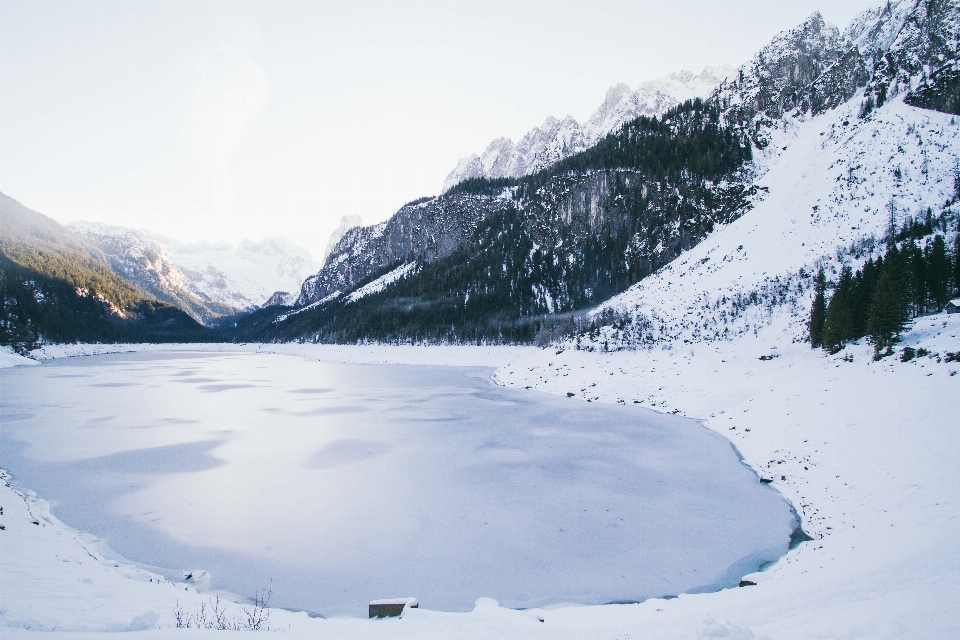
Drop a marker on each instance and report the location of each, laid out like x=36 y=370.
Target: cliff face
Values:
x=905 y=42
x=426 y=231
x=654 y=221
x=806 y=70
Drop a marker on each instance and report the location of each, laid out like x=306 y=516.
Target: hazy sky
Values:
x=232 y=120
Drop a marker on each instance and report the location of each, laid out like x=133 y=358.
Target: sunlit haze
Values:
x=232 y=120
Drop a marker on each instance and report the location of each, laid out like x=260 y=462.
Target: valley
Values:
x=722 y=290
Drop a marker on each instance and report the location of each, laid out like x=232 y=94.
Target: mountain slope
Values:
x=491 y=260
x=835 y=181
x=831 y=195
x=58 y=287
x=537 y=248
x=208 y=280
x=140 y=258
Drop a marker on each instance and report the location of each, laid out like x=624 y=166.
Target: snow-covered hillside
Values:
x=557 y=139
x=832 y=183
x=203 y=274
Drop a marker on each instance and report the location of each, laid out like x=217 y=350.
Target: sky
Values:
x=231 y=120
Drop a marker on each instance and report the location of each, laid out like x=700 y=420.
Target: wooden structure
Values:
x=391 y=607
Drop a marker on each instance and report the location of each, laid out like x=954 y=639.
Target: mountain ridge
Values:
x=56 y=286
x=209 y=280
x=557 y=138
x=600 y=220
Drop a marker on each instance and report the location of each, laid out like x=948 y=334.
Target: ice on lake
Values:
x=339 y=484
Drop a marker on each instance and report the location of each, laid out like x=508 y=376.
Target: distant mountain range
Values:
x=208 y=280
x=56 y=286
x=557 y=139
x=93 y=282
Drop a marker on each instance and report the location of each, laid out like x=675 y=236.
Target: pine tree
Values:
x=864 y=284
x=837 y=328
x=818 y=313
x=886 y=315
x=895 y=265
x=915 y=278
x=938 y=269
x=956 y=178
x=956 y=263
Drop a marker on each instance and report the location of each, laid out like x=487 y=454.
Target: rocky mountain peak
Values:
x=557 y=139
x=346 y=223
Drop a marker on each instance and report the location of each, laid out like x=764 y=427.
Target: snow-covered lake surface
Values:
x=337 y=484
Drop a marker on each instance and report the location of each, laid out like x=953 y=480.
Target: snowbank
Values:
x=866 y=451
x=10 y=359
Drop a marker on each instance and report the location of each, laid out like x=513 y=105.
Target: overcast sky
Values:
x=231 y=120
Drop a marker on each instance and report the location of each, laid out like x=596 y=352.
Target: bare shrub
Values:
x=253 y=617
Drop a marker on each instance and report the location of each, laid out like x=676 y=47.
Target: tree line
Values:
x=879 y=299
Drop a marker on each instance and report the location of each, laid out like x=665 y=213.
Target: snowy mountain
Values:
x=141 y=258
x=346 y=223
x=808 y=157
x=245 y=276
x=557 y=139
x=507 y=259
x=431 y=229
x=208 y=280
x=57 y=286
x=831 y=193
x=836 y=178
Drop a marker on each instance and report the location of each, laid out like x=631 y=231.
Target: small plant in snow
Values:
x=253 y=617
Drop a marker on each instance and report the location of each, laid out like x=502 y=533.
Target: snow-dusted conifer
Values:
x=838 y=327
x=818 y=313
x=886 y=314
x=938 y=273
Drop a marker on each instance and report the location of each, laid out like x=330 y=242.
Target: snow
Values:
x=868 y=455
x=831 y=182
x=324 y=300
x=380 y=283
x=408 y=601
x=866 y=451
x=243 y=277
x=557 y=139
x=57 y=578
x=10 y=359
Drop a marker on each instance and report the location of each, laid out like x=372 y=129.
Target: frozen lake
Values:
x=346 y=483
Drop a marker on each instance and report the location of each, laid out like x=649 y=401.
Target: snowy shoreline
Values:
x=863 y=450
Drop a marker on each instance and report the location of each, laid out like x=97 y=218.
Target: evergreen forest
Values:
x=917 y=274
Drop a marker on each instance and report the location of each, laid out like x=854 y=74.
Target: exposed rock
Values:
x=280 y=299
x=346 y=223
x=556 y=139
x=425 y=232
x=207 y=280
